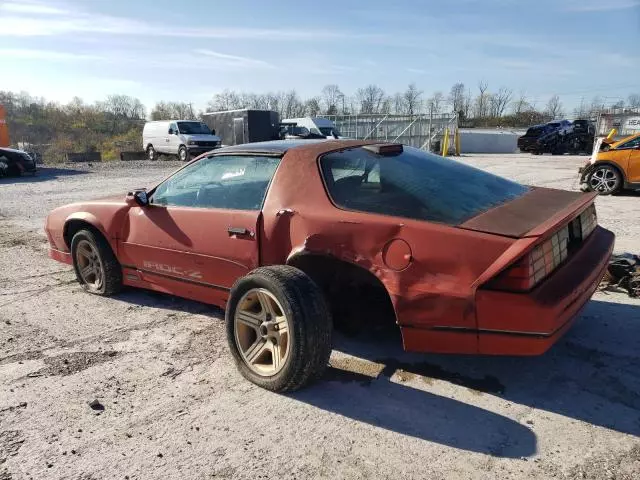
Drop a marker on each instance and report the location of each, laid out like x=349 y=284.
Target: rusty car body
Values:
x=460 y=273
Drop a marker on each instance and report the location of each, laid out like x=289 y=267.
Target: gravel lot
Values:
x=175 y=407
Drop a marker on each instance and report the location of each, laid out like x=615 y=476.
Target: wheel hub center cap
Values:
x=267 y=329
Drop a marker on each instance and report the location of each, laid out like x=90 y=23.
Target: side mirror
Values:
x=213 y=131
x=172 y=132
x=138 y=198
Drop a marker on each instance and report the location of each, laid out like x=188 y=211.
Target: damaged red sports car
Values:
x=283 y=234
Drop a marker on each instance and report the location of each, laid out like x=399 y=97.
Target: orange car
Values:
x=280 y=234
x=615 y=167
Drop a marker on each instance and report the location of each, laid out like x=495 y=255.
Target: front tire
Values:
x=279 y=328
x=183 y=154
x=97 y=269
x=605 y=180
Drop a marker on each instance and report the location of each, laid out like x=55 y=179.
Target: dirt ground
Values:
x=171 y=405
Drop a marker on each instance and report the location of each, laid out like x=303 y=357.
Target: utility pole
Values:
x=430 y=123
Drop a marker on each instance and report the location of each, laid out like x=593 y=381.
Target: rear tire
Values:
x=605 y=180
x=97 y=268
x=296 y=301
x=151 y=153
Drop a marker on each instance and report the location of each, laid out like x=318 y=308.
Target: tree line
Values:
x=115 y=124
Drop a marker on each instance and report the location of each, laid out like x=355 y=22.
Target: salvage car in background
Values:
x=529 y=141
x=16 y=162
x=462 y=260
x=615 y=167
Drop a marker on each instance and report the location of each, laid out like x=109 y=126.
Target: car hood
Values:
x=203 y=138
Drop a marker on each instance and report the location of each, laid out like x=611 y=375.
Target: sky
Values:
x=190 y=50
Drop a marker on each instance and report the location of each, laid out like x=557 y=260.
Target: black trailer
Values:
x=236 y=127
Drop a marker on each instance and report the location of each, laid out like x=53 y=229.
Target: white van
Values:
x=318 y=126
x=184 y=138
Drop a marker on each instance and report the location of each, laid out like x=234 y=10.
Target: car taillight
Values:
x=532 y=268
x=588 y=221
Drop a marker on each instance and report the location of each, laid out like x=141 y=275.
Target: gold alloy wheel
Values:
x=262 y=332
x=89 y=265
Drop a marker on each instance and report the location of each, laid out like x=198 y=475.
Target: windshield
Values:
x=193 y=128
x=414 y=184
x=329 y=131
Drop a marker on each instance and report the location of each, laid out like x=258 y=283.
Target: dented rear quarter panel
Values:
x=438 y=285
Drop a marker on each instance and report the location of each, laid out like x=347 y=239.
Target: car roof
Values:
x=280 y=147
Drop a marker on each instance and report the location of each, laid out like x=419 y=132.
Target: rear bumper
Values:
x=529 y=324
x=523 y=324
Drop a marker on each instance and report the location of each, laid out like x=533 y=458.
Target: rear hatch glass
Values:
x=413 y=184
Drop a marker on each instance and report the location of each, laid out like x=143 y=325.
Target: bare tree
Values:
x=312 y=107
x=225 y=100
x=597 y=105
x=581 y=111
x=500 y=100
x=619 y=105
x=387 y=105
x=331 y=96
x=122 y=109
x=435 y=103
x=634 y=100
x=412 y=99
x=399 y=104
x=521 y=105
x=172 y=110
x=370 y=99
x=467 y=104
x=554 y=107
x=290 y=105
x=482 y=100
x=456 y=97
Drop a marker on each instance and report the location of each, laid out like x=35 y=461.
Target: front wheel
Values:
x=97 y=269
x=605 y=180
x=279 y=328
x=183 y=154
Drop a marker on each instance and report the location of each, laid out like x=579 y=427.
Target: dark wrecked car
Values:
x=16 y=162
x=529 y=141
x=284 y=235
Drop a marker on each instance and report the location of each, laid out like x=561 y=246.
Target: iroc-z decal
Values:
x=172 y=270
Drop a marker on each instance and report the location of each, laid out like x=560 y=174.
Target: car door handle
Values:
x=243 y=232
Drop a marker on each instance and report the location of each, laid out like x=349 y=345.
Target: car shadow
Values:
x=628 y=193
x=420 y=414
x=43 y=174
x=591 y=375
x=384 y=403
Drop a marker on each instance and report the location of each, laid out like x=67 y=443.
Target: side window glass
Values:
x=174 y=127
x=229 y=182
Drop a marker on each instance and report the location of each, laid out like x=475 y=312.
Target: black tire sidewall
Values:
x=295 y=335
x=90 y=237
x=153 y=157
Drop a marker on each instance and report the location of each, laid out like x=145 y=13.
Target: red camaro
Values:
x=285 y=234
